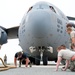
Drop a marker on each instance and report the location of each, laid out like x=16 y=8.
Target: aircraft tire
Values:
x=37 y=60
x=45 y=60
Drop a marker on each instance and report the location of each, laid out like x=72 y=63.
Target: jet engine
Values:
x=3 y=36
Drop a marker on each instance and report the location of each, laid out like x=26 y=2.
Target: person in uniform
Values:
x=71 y=32
x=64 y=53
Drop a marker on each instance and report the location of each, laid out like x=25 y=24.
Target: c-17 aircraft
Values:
x=41 y=31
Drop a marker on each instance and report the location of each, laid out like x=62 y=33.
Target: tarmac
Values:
x=36 y=70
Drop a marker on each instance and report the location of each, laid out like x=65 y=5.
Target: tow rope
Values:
x=5 y=67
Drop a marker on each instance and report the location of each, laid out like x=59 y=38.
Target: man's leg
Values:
x=19 y=63
x=72 y=65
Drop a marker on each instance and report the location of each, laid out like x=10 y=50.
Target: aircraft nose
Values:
x=39 y=21
x=39 y=30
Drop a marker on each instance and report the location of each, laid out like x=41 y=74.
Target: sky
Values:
x=11 y=14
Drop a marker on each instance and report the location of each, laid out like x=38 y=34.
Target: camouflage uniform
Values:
x=72 y=63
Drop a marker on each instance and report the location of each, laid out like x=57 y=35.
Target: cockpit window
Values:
x=52 y=9
x=30 y=9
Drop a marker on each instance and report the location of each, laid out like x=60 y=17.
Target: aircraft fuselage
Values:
x=42 y=28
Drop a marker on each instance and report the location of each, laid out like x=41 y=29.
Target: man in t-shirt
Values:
x=22 y=57
x=64 y=53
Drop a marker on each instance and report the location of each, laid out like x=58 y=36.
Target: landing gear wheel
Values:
x=37 y=60
x=45 y=60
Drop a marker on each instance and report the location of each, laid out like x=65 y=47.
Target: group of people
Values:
x=67 y=54
x=63 y=52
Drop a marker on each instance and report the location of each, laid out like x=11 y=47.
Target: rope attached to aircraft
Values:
x=5 y=67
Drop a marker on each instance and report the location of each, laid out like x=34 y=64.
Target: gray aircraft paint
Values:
x=43 y=27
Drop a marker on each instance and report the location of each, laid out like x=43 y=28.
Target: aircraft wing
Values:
x=71 y=18
x=12 y=33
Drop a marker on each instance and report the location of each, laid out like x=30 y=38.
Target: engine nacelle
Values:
x=3 y=36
